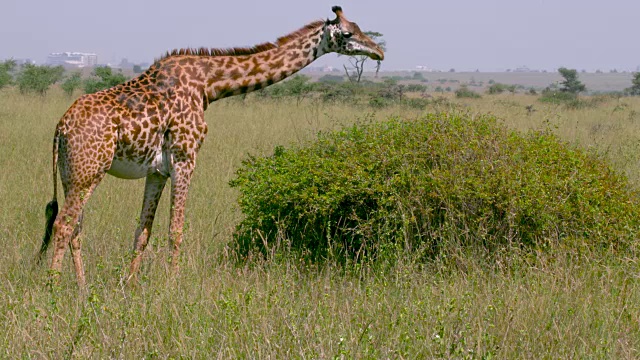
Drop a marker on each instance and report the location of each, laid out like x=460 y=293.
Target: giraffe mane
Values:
x=239 y=51
x=235 y=51
x=303 y=31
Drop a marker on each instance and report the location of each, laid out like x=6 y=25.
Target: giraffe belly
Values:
x=127 y=169
x=136 y=169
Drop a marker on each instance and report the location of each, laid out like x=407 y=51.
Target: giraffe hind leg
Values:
x=180 y=180
x=67 y=228
x=76 y=251
x=152 y=192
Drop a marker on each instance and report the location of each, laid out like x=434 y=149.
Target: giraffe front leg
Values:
x=152 y=192
x=180 y=179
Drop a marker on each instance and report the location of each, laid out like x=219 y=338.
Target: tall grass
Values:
x=565 y=303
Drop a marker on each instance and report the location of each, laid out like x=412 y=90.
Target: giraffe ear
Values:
x=338 y=11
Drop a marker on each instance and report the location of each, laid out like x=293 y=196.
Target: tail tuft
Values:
x=51 y=212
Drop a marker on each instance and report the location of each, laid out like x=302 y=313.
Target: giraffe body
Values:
x=153 y=126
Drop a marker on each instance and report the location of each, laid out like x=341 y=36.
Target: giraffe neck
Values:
x=235 y=75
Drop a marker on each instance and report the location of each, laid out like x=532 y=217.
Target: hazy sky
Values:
x=463 y=34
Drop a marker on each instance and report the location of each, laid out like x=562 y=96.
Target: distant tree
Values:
x=570 y=84
x=356 y=68
x=635 y=87
x=72 y=83
x=331 y=79
x=103 y=78
x=137 y=69
x=417 y=76
x=38 y=78
x=452 y=70
x=5 y=72
x=298 y=87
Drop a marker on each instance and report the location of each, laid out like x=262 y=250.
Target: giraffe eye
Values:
x=347 y=34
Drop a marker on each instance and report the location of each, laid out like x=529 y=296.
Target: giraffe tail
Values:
x=51 y=211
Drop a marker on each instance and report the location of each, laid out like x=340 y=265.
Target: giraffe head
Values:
x=345 y=37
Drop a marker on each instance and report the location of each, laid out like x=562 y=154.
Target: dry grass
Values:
x=560 y=304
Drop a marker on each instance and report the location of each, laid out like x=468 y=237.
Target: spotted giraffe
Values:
x=153 y=126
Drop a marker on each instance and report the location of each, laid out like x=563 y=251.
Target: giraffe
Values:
x=153 y=126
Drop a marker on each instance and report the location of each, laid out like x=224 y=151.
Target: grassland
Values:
x=563 y=303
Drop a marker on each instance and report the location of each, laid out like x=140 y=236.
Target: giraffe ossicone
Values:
x=153 y=126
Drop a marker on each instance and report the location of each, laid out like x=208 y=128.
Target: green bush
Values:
x=379 y=102
x=464 y=92
x=416 y=103
x=424 y=184
x=497 y=88
x=570 y=100
x=416 y=88
x=344 y=92
x=553 y=95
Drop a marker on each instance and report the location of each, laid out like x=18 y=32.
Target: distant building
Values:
x=524 y=69
x=73 y=59
x=424 y=68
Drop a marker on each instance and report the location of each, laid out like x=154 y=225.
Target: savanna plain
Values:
x=553 y=302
